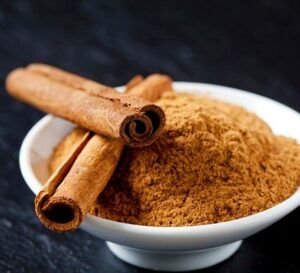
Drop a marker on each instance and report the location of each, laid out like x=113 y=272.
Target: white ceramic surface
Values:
x=169 y=248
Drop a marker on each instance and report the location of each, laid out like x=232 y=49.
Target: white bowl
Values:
x=169 y=248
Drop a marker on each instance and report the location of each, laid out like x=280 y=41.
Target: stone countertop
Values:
x=252 y=46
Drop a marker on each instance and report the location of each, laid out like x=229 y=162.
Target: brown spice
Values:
x=82 y=174
x=89 y=104
x=215 y=162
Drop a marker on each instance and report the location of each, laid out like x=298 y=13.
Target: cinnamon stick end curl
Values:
x=143 y=129
x=59 y=214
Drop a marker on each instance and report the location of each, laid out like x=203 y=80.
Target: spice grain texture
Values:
x=214 y=162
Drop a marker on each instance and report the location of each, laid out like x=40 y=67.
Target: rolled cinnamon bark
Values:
x=65 y=211
x=73 y=188
x=134 y=81
x=89 y=104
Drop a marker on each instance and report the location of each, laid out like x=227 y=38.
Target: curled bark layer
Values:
x=73 y=188
x=90 y=105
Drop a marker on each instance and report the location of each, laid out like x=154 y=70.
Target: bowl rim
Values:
x=265 y=216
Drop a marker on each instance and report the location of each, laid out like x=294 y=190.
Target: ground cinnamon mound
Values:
x=215 y=162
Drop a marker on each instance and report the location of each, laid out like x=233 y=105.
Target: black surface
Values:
x=252 y=45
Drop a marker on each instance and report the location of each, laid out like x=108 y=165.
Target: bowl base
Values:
x=174 y=260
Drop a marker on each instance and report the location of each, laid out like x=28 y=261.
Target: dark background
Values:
x=252 y=45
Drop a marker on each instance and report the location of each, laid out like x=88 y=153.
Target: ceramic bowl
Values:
x=169 y=248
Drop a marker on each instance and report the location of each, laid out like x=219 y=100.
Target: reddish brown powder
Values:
x=215 y=162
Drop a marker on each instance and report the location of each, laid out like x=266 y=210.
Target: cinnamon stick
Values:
x=70 y=192
x=90 y=105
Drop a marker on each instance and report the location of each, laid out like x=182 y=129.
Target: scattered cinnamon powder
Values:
x=215 y=162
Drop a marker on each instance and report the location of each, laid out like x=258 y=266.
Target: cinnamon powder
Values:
x=215 y=162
